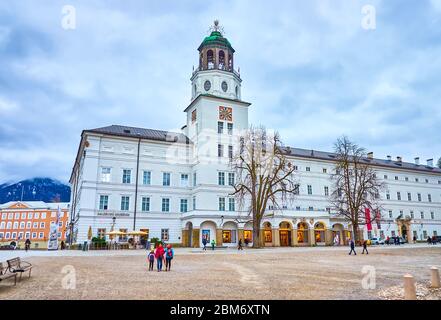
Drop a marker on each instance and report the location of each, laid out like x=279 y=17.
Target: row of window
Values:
x=221 y=178
x=24 y=236
x=220 y=151
x=101 y=233
x=412 y=214
x=145 y=204
x=29 y=215
x=27 y=225
x=409 y=196
x=220 y=128
x=165 y=204
x=407 y=179
x=146 y=177
x=325 y=170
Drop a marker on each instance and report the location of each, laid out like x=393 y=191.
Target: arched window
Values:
x=222 y=60
x=210 y=59
x=319 y=232
x=230 y=62
x=302 y=233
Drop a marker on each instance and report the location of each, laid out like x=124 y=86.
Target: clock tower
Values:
x=215 y=74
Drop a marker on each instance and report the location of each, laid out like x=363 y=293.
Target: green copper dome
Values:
x=216 y=38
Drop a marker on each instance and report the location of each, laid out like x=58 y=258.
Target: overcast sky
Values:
x=309 y=68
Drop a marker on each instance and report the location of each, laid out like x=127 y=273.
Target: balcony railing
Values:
x=219 y=67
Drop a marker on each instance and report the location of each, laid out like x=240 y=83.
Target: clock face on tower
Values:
x=207 y=85
x=225 y=113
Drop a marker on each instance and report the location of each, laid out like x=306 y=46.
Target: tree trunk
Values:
x=256 y=232
x=355 y=233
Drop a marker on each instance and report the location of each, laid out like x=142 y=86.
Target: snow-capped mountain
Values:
x=36 y=189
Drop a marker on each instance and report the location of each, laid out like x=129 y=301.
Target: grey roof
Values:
x=330 y=156
x=149 y=134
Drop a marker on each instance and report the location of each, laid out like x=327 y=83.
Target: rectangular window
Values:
x=184 y=180
x=432 y=215
x=22 y=225
x=194 y=203
x=164 y=235
x=407 y=178
x=220 y=150
x=127 y=175
x=34 y=235
x=419 y=197
x=30 y=216
x=36 y=216
x=390 y=214
x=325 y=170
x=308 y=169
x=422 y=215
x=385 y=177
x=184 y=205
x=125 y=203
x=145 y=204
x=165 y=205
x=104 y=202
x=412 y=215
x=40 y=235
x=42 y=225
x=409 y=196
x=221 y=178
x=427 y=180
x=230 y=152
x=309 y=189
x=429 y=197
x=231 y=178
x=220 y=127
x=194 y=179
x=43 y=215
x=398 y=195
x=230 y=128
x=416 y=180
x=396 y=177
x=221 y=204
x=34 y=225
x=146 y=178
x=231 y=204
x=105 y=174
x=28 y=225
x=166 y=179
x=311 y=208
x=387 y=196
x=326 y=191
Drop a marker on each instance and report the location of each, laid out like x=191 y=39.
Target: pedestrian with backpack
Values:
x=159 y=255
x=365 y=247
x=169 y=254
x=352 y=247
x=204 y=243
x=151 y=259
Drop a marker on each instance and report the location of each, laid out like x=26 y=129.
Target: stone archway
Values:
x=267 y=234
x=302 y=233
x=208 y=231
x=285 y=234
x=319 y=233
x=229 y=233
x=338 y=234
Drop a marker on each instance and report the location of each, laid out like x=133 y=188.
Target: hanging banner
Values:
x=367 y=215
x=53 y=233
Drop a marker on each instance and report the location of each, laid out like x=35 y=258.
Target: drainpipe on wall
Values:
x=136 y=185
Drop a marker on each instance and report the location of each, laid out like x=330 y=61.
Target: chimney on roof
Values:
x=399 y=159
x=370 y=155
x=417 y=161
x=430 y=162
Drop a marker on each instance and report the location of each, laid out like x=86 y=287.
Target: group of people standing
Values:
x=161 y=255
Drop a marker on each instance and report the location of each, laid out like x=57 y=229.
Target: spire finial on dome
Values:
x=216 y=27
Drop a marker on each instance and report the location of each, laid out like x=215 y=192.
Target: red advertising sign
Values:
x=367 y=214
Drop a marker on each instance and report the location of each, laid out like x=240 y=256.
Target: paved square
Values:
x=273 y=273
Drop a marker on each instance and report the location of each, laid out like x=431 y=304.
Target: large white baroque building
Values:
x=176 y=186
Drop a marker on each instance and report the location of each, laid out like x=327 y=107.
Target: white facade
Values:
x=104 y=180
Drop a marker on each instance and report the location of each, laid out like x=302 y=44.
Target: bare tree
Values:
x=356 y=187
x=265 y=176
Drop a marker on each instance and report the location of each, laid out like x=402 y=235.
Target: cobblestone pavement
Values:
x=271 y=273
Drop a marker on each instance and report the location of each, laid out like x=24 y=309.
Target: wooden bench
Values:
x=16 y=265
x=4 y=275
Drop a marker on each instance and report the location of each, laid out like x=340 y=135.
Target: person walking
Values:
x=352 y=243
x=246 y=242
x=159 y=255
x=429 y=240
x=169 y=254
x=27 y=244
x=204 y=243
x=414 y=239
x=213 y=243
x=365 y=247
x=433 y=239
x=239 y=246
x=151 y=259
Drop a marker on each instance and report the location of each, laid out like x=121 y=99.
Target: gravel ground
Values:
x=273 y=273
